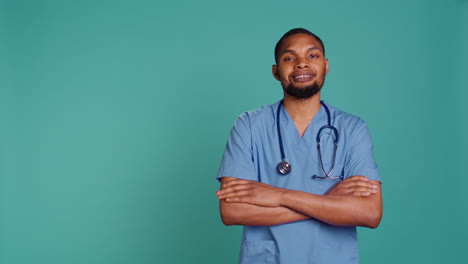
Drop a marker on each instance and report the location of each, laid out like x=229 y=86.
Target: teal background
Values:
x=114 y=116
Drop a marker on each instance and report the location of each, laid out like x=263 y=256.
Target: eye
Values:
x=289 y=58
x=313 y=56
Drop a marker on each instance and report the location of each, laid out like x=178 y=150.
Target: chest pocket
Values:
x=322 y=183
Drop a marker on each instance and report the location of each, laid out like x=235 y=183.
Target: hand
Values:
x=354 y=186
x=251 y=192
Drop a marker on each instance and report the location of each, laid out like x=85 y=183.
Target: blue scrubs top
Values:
x=252 y=152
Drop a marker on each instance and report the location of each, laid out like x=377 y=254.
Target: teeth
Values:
x=302 y=76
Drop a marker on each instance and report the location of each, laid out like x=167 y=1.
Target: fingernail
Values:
x=367 y=193
x=373 y=191
x=374 y=186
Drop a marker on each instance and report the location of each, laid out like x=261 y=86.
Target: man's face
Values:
x=301 y=66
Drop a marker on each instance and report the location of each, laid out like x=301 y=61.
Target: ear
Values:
x=326 y=66
x=274 y=70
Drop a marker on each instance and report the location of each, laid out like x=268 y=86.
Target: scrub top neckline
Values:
x=291 y=130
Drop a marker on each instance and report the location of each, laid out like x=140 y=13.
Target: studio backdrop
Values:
x=115 y=114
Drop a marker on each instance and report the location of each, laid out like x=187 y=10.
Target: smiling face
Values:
x=301 y=67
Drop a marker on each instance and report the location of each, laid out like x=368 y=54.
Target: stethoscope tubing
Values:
x=284 y=167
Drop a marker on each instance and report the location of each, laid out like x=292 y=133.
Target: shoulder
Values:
x=352 y=129
x=260 y=116
x=345 y=120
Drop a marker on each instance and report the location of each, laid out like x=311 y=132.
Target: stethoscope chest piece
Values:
x=284 y=167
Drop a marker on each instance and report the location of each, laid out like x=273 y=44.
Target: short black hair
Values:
x=295 y=31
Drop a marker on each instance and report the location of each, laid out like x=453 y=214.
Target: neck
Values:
x=302 y=110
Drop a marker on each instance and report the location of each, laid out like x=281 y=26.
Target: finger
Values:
x=237 y=199
x=234 y=189
x=360 y=183
x=241 y=198
x=361 y=194
x=356 y=181
x=357 y=178
x=349 y=186
x=361 y=190
x=234 y=194
x=235 y=182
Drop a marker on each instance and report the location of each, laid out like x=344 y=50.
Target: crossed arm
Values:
x=355 y=201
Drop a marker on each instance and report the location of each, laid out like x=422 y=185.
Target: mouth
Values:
x=301 y=77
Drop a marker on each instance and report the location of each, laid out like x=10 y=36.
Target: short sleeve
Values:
x=237 y=159
x=360 y=160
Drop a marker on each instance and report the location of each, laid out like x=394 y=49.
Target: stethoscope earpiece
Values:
x=284 y=167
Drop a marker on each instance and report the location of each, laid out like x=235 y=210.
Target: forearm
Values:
x=336 y=210
x=254 y=215
x=247 y=202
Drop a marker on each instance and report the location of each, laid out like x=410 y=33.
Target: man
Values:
x=306 y=208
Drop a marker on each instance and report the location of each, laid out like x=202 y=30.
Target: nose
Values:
x=302 y=64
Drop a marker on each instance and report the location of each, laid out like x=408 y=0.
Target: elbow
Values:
x=373 y=224
x=372 y=219
x=372 y=213
x=229 y=216
x=227 y=219
x=231 y=219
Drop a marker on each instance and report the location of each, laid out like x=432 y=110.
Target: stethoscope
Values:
x=284 y=167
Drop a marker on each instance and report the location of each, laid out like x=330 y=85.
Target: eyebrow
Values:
x=309 y=49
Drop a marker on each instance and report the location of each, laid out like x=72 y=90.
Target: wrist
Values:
x=284 y=197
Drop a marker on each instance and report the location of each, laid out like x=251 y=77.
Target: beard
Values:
x=303 y=92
